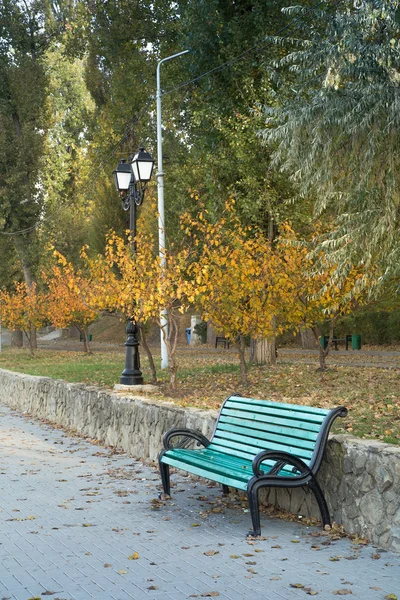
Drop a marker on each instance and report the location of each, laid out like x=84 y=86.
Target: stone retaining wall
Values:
x=361 y=478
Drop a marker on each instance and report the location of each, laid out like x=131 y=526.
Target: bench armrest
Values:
x=186 y=433
x=282 y=459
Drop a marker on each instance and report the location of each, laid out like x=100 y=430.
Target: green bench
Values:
x=256 y=444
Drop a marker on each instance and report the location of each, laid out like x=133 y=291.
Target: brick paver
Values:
x=78 y=521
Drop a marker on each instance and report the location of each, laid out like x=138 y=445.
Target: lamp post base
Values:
x=132 y=374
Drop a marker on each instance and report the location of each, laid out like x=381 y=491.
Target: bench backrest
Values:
x=246 y=426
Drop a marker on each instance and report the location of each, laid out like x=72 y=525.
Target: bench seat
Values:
x=218 y=466
x=256 y=443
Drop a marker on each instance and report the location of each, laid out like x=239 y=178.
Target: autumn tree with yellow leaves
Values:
x=249 y=287
x=142 y=287
x=26 y=308
x=316 y=296
x=76 y=295
x=238 y=280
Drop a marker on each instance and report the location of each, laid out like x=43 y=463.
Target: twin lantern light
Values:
x=138 y=172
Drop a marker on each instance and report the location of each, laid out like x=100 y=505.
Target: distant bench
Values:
x=354 y=340
x=221 y=340
x=256 y=444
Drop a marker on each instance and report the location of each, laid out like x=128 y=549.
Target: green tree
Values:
x=65 y=164
x=122 y=41
x=22 y=124
x=337 y=134
x=221 y=117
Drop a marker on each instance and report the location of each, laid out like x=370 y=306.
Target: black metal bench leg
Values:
x=252 y=495
x=166 y=483
x=323 y=507
x=225 y=489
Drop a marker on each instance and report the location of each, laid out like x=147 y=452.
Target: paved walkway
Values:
x=78 y=521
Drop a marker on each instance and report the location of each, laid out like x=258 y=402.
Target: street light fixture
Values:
x=131 y=180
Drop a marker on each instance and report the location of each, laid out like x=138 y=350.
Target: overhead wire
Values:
x=244 y=54
x=226 y=64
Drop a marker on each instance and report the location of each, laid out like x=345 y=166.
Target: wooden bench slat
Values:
x=269 y=427
x=217 y=461
x=269 y=419
x=266 y=436
x=254 y=412
x=216 y=464
x=251 y=402
x=205 y=472
x=256 y=446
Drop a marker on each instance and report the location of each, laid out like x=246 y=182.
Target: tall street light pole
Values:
x=131 y=180
x=161 y=216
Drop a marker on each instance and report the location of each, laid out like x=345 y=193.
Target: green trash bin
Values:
x=323 y=340
x=356 y=342
x=90 y=337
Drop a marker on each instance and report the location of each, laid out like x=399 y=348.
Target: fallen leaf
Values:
x=391 y=597
x=122 y=572
x=134 y=556
x=343 y=592
x=211 y=552
x=234 y=556
x=297 y=585
x=106 y=565
x=210 y=594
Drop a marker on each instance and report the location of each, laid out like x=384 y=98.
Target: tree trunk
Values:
x=33 y=337
x=17 y=340
x=211 y=334
x=21 y=246
x=323 y=352
x=149 y=355
x=171 y=339
x=308 y=339
x=263 y=351
x=28 y=335
x=243 y=367
x=85 y=338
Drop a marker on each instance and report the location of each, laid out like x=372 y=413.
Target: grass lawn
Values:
x=206 y=377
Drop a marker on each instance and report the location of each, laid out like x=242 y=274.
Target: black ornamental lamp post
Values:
x=131 y=180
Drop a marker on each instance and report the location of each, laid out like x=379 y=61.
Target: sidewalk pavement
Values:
x=79 y=521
